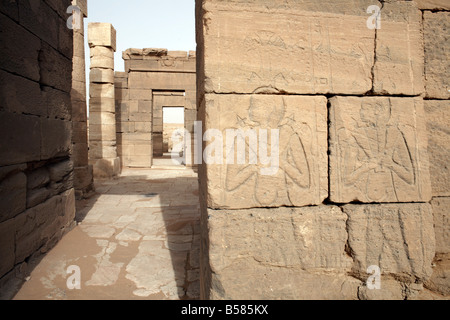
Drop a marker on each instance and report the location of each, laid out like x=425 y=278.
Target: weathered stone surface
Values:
x=399 y=50
x=433 y=4
x=20 y=140
x=14 y=58
x=101 y=34
x=310 y=238
x=60 y=170
x=438 y=124
x=398 y=238
x=82 y=4
x=13 y=189
x=441 y=223
x=273 y=253
x=102 y=132
x=55 y=69
x=100 y=104
x=390 y=290
x=437 y=46
x=7 y=246
x=99 y=75
x=440 y=280
x=56 y=136
x=31 y=227
x=139 y=54
x=299 y=178
x=106 y=168
x=20 y=95
x=378 y=150
x=161 y=81
x=270 y=57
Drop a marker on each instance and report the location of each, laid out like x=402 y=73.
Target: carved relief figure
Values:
x=294 y=171
x=375 y=153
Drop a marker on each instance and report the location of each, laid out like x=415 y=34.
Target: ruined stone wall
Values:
x=153 y=79
x=37 y=198
x=83 y=173
x=363 y=176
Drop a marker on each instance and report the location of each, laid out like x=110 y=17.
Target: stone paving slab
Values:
x=137 y=238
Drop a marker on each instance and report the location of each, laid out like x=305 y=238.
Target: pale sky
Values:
x=166 y=24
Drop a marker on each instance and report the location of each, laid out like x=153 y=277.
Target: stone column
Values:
x=83 y=178
x=102 y=117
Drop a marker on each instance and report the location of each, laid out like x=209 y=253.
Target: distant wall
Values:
x=153 y=79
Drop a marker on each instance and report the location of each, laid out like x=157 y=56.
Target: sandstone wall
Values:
x=153 y=79
x=363 y=176
x=37 y=198
x=83 y=173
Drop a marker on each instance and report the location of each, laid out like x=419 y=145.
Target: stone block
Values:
x=20 y=140
x=246 y=49
x=145 y=106
x=102 y=149
x=37 y=196
x=60 y=170
x=65 y=38
x=140 y=94
x=13 y=192
x=58 y=103
x=79 y=69
x=78 y=91
x=82 y=177
x=161 y=81
x=98 y=75
x=103 y=132
x=79 y=111
x=101 y=34
x=296 y=176
x=106 y=168
x=139 y=116
x=10 y=8
x=437 y=114
x=102 y=62
x=106 y=118
x=78 y=46
x=20 y=95
x=437 y=46
x=101 y=104
x=282 y=252
x=144 y=127
x=441 y=208
x=40 y=18
x=80 y=154
x=56 y=138
x=82 y=4
x=7 y=246
x=38 y=178
x=12 y=57
x=398 y=238
x=121 y=94
x=378 y=150
x=32 y=227
x=432 y=4
x=399 y=52
x=101 y=52
x=79 y=134
x=55 y=69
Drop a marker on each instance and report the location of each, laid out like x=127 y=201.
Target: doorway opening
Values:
x=173 y=138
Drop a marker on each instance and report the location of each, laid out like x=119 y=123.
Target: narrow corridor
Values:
x=138 y=238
